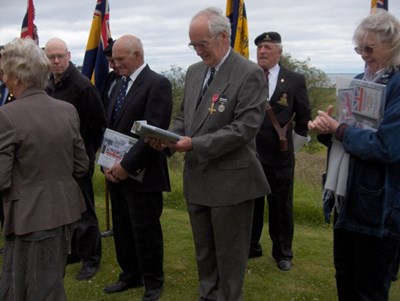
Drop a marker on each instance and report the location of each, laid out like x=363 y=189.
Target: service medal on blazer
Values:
x=214 y=98
x=222 y=103
x=283 y=100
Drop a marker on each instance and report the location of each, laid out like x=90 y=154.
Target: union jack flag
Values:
x=95 y=64
x=28 y=28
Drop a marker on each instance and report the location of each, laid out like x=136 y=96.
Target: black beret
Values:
x=108 y=50
x=272 y=37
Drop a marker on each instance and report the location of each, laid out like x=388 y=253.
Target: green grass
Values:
x=311 y=279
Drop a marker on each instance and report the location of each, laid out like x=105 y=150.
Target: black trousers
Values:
x=363 y=265
x=138 y=235
x=280 y=209
x=86 y=241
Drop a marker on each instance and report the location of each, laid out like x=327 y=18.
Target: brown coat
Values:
x=41 y=151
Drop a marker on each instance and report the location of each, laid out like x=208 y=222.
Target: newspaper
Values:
x=141 y=128
x=360 y=102
x=113 y=148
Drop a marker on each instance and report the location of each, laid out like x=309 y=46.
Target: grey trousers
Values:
x=34 y=265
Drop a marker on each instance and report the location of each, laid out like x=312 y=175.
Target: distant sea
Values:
x=332 y=76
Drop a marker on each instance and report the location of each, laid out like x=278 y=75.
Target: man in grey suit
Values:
x=222 y=174
x=41 y=154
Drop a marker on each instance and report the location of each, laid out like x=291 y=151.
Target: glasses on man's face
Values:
x=56 y=57
x=200 y=45
x=369 y=49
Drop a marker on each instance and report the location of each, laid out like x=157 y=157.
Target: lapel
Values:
x=130 y=96
x=280 y=85
x=217 y=88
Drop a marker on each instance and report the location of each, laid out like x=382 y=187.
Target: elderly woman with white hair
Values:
x=41 y=151
x=367 y=215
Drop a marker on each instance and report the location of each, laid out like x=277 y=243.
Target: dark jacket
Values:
x=77 y=89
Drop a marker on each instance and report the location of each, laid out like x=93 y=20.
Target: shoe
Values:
x=1 y=250
x=255 y=250
x=284 y=265
x=107 y=233
x=152 y=294
x=121 y=286
x=87 y=272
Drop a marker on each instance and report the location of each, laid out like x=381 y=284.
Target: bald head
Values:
x=128 y=54
x=57 y=52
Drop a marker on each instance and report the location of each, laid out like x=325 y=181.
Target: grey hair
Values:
x=24 y=60
x=386 y=27
x=217 y=21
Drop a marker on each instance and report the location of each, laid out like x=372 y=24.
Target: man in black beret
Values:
x=112 y=77
x=289 y=110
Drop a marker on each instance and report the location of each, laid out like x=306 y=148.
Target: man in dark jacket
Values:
x=68 y=84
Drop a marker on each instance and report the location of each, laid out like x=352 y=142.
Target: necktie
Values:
x=266 y=72
x=210 y=79
x=121 y=97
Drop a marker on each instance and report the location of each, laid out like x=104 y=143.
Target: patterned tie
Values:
x=121 y=97
x=210 y=79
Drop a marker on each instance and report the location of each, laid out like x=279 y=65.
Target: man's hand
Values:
x=116 y=173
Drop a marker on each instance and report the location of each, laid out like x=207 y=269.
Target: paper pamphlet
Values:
x=299 y=141
x=141 y=128
x=360 y=102
x=113 y=148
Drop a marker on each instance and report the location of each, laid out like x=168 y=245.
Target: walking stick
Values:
x=107 y=198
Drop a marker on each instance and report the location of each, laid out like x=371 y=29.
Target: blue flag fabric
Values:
x=236 y=12
x=379 y=4
x=95 y=64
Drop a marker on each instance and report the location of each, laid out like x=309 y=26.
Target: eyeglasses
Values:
x=367 y=49
x=57 y=56
x=200 y=45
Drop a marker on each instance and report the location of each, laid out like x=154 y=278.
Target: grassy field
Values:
x=311 y=279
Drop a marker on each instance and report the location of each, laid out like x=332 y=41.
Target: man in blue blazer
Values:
x=141 y=94
x=222 y=175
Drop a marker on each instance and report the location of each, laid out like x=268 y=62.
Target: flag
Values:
x=379 y=4
x=236 y=12
x=28 y=28
x=95 y=64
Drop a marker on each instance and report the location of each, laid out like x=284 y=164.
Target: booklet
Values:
x=360 y=102
x=141 y=128
x=113 y=148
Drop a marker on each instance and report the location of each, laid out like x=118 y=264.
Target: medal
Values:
x=213 y=100
x=221 y=108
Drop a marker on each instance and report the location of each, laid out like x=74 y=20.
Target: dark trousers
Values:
x=280 y=209
x=138 y=235
x=86 y=241
x=363 y=265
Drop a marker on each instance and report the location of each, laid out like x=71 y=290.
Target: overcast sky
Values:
x=320 y=30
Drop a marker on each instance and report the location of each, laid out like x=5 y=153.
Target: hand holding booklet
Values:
x=113 y=148
x=141 y=128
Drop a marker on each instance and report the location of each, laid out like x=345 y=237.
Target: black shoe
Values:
x=152 y=294
x=87 y=273
x=1 y=250
x=255 y=250
x=121 y=286
x=71 y=258
x=107 y=233
x=284 y=265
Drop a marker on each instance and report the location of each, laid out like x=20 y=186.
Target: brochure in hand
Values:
x=141 y=128
x=360 y=102
x=113 y=148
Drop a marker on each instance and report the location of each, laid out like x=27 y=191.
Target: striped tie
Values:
x=121 y=97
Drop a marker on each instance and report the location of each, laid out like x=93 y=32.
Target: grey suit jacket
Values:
x=41 y=151
x=223 y=168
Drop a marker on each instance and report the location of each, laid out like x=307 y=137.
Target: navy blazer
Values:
x=149 y=98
